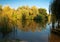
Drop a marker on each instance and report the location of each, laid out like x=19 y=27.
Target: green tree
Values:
x=42 y=11
x=39 y=18
x=55 y=10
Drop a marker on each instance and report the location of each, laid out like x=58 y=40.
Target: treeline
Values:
x=9 y=17
x=23 y=12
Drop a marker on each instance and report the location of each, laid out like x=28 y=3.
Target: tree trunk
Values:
x=58 y=24
x=53 y=25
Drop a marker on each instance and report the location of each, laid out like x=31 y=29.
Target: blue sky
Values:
x=16 y=3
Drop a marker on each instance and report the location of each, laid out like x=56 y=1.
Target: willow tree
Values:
x=55 y=9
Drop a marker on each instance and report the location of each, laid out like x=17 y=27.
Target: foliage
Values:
x=38 y=18
x=24 y=12
x=23 y=17
x=55 y=10
x=10 y=16
x=42 y=11
x=4 y=25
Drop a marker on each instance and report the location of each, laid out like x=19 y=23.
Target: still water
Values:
x=30 y=31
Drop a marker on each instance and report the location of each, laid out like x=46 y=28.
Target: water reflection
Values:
x=30 y=25
x=54 y=38
x=30 y=31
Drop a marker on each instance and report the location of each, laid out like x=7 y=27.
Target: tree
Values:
x=4 y=25
x=34 y=11
x=6 y=8
x=0 y=9
x=38 y=18
x=42 y=11
x=55 y=10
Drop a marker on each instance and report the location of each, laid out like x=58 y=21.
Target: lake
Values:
x=30 y=31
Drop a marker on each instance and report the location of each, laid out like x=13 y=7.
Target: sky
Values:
x=17 y=3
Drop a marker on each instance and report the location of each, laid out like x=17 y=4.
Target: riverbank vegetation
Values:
x=9 y=17
x=24 y=12
x=55 y=10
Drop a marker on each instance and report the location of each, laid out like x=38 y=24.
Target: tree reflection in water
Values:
x=30 y=25
x=5 y=26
